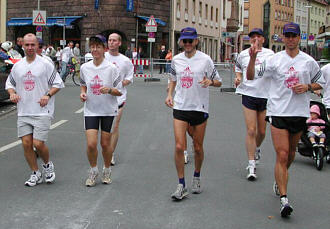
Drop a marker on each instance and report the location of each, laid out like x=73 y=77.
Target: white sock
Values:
x=252 y=162
x=257 y=149
x=185 y=152
x=95 y=169
x=107 y=169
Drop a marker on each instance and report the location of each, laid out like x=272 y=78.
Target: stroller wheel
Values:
x=327 y=158
x=319 y=158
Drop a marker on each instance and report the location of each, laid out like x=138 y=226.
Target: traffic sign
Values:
x=39 y=17
x=151 y=25
x=39 y=35
x=150 y=39
x=39 y=28
x=151 y=35
x=228 y=34
x=303 y=36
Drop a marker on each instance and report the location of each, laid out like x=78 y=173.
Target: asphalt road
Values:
x=145 y=175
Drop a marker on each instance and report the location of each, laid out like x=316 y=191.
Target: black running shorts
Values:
x=94 y=122
x=194 y=118
x=253 y=103
x=293 y=124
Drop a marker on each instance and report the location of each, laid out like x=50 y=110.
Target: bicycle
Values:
x=71 y=69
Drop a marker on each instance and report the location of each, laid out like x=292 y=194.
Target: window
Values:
x=200 y=9
x=246 y=13
x=211 y=13
x=178 y=9
x=194 y=7
x=224 y=9
x=216 y=15
x=275 y=14
x=206 y=11
x=186 y=7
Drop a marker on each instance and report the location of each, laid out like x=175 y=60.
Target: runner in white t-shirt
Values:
x=32 y=84
x=100 y=86
x=292 y=74
x=126 y=72
x=192 y=72
x=254 y=101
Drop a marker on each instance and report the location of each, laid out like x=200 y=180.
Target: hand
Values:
x=205 y=82
x=83 y=97
x=14 y=98
x=300 y=88
x=44 y=100
x=237 y=81
x=104 y=90
x=254 y=49
x=169 y=101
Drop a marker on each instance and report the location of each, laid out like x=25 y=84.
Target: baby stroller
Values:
x=305 y=147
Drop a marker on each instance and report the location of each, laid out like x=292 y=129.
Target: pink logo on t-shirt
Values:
x=292 y=78
x=96 y=84
x=28 y=81
x=187 y=78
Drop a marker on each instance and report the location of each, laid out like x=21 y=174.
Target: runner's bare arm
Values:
x=13 y=96
x=238 y=78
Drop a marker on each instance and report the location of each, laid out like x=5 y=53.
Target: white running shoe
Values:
x=286 y=208
x=35 y=178
x=106 y=176
x=113 y=162
x=179 y=193
x=251 y=176
x=257 y=156
x=48 y=171
x=275 y=189
x=196 y=185
x=186 y=157
x=91 y=180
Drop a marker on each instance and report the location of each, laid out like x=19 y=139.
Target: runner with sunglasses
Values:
x=292 y=74
x=192 y=72
x=254 y=101
x=100 y=86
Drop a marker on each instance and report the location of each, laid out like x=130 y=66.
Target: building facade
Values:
x=76 y=21
x=3 y=13
x=301 y=8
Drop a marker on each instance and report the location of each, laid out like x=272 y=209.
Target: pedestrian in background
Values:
x=58 y=58
x=168 y=59
x=19 y=46
x=292 y=75
x=192 y=72
x=128 y=52
x=140 y=55
x=32 y=84
x=67 y=54
x=100 y=86
x=162 y=55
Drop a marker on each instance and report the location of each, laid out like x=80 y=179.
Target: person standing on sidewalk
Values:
x=254 y=100
x=292 y=75
x=67 y=54
x=126 y=72
x=100 y=86
x=32 y=84
x=192 y=72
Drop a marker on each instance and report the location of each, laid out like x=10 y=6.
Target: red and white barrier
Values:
x=142 y=75
x=140 y=62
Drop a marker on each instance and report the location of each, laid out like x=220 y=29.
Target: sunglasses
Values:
x=289 y=35
x=185 y=41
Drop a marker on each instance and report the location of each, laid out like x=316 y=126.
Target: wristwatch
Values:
x=49 y=95
x=309 y=87
x=109 y=92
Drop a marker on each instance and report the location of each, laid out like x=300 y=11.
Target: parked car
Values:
x=3 y=77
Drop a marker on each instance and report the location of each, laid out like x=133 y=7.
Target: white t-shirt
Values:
x=95 y=77
x=326 y=74
x=31 y=81
x=285 y=72
x=188 y=72
x=126 y=71
x=259 y=86
x=67 y=54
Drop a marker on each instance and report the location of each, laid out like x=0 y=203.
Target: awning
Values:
x=322 y=35
x=159 y=21
x=51 y=21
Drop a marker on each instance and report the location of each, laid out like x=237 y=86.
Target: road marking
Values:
x=79 y=111
x=11 y=145
x=58 y=124
x=18 y=142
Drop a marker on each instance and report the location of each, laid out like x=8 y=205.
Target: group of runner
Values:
x=273 y=87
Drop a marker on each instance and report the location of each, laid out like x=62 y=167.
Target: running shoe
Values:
x=91 y=180
x=257 y=156
x=251 y=176
x=48 y=171
x=286 y=208
x=35 y=178
x=196 y=185
x=113 y=162
x=106 y=176
x=275 y=189
x=186 y=157
x=179 y=193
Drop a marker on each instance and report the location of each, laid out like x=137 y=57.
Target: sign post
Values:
x=39 y=17
x=151 y=28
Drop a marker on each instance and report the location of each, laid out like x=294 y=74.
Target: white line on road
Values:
x=79 y=111
x=58 y=124
x=13 y=144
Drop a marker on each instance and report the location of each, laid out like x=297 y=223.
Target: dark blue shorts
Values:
x=94 y=122
x=194 y=118
x=292 y=124
x=253 y=103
